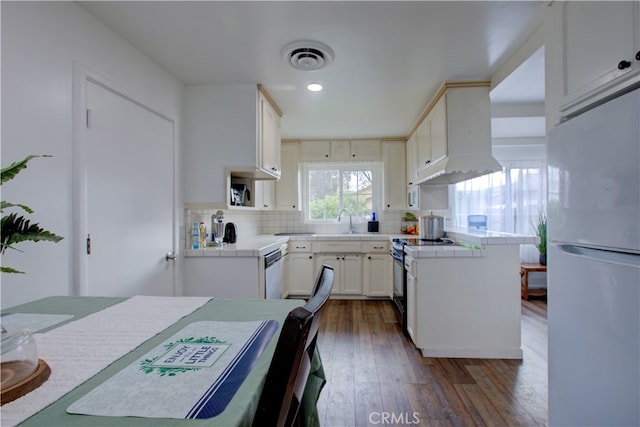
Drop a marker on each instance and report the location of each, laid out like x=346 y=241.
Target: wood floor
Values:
x=375 y=376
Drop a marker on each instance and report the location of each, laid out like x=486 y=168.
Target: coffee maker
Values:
x=217 y=228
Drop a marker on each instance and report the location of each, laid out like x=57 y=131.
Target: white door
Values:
x=129 y=164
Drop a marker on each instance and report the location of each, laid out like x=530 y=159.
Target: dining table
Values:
x=125 y=361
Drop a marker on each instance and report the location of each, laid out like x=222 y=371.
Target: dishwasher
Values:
x=273 y=275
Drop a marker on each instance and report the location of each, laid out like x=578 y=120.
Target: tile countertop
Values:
x=472 y=242
x=483 y=237
x=263 y=244
x=246 y=247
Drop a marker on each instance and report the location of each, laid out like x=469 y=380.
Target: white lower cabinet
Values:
x=224 y=277
x=447 y=300
x=347 y=272
x=361 y=268
x=377 y=273
x=286 y=276
x=301 y=273
x=411 y=307
x=412 y=318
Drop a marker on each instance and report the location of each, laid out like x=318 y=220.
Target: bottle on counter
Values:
x=203 y=235
x=195 y=241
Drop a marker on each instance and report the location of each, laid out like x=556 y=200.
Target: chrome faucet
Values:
x=350 y=222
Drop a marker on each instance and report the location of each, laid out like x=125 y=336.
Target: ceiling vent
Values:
x=308 y=55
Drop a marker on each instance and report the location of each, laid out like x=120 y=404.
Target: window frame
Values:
x=376 y=169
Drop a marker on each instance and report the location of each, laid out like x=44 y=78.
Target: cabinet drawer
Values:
x=410 y=265
x=373 y=247
x=337 y=247
x=299 y=246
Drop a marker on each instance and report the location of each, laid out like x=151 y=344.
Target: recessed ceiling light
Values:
x=314 y=87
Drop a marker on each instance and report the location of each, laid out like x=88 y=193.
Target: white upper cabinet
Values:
x=228 y=130
x=452 y=136
x=393 y=157
x=412 y=159
x=431 y=135
x=264 y=194
x=287 y=188
x=269 y=136
x=423 y=141
x=438 y=128
x=315 y=151
x=340 y=150
x=592 y=51
x=365 y=150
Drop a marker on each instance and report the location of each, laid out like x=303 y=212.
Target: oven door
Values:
x=398 y=273
x=399 y=288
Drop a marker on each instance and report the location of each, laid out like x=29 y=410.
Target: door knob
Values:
x=170 y=256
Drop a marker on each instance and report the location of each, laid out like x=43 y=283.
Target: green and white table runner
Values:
x=193 y=374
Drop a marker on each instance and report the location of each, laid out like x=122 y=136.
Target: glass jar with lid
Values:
x=19 y=356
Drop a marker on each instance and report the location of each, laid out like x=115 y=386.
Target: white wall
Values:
x=40 y=42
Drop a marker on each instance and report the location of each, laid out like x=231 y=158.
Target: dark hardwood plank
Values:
x=376 y=376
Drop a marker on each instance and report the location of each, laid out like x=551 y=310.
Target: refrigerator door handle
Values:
x=602 y=255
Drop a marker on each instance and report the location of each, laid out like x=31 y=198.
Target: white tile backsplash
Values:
x=251 y=223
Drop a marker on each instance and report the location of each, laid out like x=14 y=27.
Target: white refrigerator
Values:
x=593 y=266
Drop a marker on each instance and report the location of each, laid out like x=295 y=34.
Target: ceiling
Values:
x=390 y=57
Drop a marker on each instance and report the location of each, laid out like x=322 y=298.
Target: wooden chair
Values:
x=287 y=376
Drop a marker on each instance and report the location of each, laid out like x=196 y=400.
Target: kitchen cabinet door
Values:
x=377 y=275
x=411 y=307
x=269 y=141
x=263 y=193
x=413 y=197
x=394 y=178
x=286 y=276
x=351 y=274
x=412 y=159
x=438 y=130
x=347 y=276
x=301 y=274
x=365 y=150
x=340 y=150
x=598 y=50
x=287 y=190
x=335 y=262
x=423 y=140
x=315 y=150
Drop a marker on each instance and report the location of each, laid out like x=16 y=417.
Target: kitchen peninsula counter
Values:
x=464 y=301
x=470 y=243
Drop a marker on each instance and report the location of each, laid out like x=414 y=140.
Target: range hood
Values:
x=460 y=118
x=457 y=168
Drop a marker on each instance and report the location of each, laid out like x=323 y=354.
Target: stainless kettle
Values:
x=230 y=233
x=431 y=227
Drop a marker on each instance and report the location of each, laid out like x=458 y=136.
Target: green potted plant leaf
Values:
x=15 y=227
x=541 y=232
